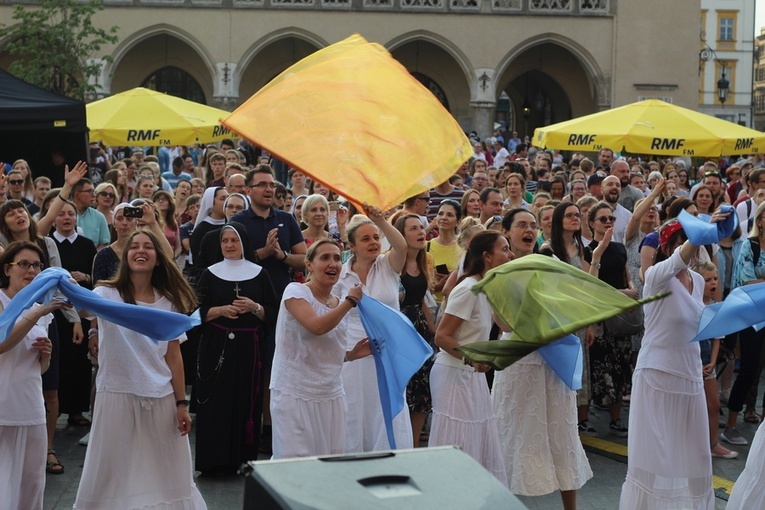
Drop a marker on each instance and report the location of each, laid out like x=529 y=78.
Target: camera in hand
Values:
x=133 y=212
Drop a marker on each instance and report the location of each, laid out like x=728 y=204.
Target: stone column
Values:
x=483 y=101
x=226 y=86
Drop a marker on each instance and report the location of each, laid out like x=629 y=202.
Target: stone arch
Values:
x=549 y=79
x=286 y=46
x=438 y=60
x=149 y=49
x=597 y=80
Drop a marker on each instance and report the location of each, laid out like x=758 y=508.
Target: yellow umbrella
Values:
x=146 y=117
x=352 y=117
x=652 y=127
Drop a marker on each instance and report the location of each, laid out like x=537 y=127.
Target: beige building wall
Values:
x=563 y=63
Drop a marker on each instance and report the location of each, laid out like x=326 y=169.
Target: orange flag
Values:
x=352 y=117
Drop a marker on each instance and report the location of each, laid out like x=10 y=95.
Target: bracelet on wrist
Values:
x=92 y=332
x=183 y=402
x=62 y=198
x=346 y=358
x=285 y=256
x=352 y=300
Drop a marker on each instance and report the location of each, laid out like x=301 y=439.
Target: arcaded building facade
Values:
x=484 y=59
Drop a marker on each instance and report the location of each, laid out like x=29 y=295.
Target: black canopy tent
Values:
x=35 y=123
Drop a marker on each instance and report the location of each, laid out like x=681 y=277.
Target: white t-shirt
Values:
x=671 y=323
x=21 y=400
x=623 y=217
x=382 y=284
x=305 y=365
x=129 y=362
x=475 y=312
x=501 y=157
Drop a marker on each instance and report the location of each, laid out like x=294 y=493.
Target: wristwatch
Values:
x=257 y=309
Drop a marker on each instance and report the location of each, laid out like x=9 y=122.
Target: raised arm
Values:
x=79 y=171
x=397 y=254
x=634 y=224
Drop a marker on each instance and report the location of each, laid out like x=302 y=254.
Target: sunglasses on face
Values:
x=606 y=219
x=572 y=215
x=279 y=196
x=107 y=195
x=16 y=182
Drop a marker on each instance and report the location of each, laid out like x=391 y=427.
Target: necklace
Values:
x=326 y=301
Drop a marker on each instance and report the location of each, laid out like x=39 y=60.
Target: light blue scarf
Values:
x=155 y=324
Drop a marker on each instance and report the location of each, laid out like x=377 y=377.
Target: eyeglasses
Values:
x=427 y=199
x=654 y=208
x=233 y=207
x=525 y=226
x=606 y=219
x=712 y=173
x=109 y=195
x=23 y=264
x=480 y=179
x=91 y=191
x=160 y=199
x=16 y=182
x=263 y=185
x=572 y=215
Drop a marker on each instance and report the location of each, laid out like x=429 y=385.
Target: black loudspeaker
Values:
x=419 y=479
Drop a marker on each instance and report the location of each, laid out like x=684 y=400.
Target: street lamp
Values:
x=723 y=88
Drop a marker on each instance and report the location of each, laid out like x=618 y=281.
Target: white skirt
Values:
x=22 y=466
x=463 y=416
x=749 y=491
x=670 y=463
x=537 y=422
x=364 y=423
x=305 y=428
x=137 y=458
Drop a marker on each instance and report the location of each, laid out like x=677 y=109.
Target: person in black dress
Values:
x=414 y=280
x=77 y=253
x=237 y=306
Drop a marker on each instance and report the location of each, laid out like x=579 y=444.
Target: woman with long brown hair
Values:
x=141 y=418
x=415 y=283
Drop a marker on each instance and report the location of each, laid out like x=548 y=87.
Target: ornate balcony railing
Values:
x=491 y=7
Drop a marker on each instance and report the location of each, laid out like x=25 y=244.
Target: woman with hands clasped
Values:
x=377 y=274
x=462 y=408
x=307 y=398
x=237 y=304
x=24 y=355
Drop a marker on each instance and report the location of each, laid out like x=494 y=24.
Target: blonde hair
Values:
x=469 y=227
x=755 y=232
x=353 y=225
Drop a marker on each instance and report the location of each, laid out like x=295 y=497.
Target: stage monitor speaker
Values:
x=421 y=479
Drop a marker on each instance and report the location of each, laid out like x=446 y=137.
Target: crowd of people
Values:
x=277 y=262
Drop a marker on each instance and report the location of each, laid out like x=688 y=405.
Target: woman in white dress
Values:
x=670 y=464
x=307 y=400
x=378 y=276
x=462 y=409
x=138 y=453
x=24 y=356
x=749 y=491
x=536 y=412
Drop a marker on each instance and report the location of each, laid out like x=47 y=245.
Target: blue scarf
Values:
x=399 y=352
x=155 y=324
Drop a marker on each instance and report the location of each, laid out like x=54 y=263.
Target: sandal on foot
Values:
x=78 y=420
x=751 y=417
x=54 y=467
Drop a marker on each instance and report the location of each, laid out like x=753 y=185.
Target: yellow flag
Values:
x=352 y=117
